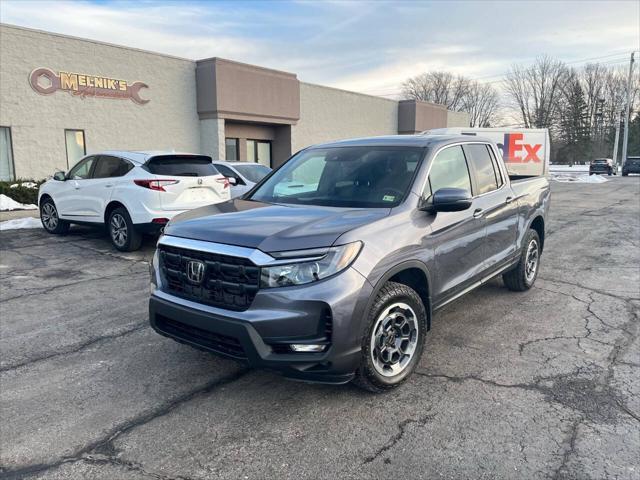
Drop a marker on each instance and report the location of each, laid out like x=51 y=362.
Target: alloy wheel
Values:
x=49 y=216
x=394 y=339
x=531 y=262
x=118 y=227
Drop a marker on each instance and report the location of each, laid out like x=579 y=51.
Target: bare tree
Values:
x=457 y=93
x=443 y=88
x=593 y=81
x=534 y=91
x=481 y=103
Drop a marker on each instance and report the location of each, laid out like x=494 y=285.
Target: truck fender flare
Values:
x=390 y=273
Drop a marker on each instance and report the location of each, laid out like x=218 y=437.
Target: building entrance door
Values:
x=259 y=151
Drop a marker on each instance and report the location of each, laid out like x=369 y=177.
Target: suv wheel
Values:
x=523 y=276
x=394 y=340
x=49 y=218
x=122 y=231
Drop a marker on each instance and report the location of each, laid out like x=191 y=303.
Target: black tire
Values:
x=367 y=376
x=624 y=174
x=49 y=218
x=520 y=278
x=122 y=232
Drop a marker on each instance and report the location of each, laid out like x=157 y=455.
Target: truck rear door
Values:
x=188 y=181
x=495 y=204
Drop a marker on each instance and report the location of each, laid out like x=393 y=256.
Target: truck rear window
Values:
x=182 y=165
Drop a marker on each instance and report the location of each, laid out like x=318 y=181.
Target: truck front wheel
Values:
x=523 y=275
x=393 y=343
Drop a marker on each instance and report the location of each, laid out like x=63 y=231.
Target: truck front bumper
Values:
x=328 y=311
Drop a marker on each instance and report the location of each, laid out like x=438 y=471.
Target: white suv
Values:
x=130 y=192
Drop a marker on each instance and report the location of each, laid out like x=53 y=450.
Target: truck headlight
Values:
x=334 y=260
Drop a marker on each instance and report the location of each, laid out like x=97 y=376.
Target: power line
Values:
x=396 y=91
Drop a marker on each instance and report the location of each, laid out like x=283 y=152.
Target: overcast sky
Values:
x=369 y=46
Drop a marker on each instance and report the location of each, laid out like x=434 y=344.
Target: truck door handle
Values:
x=509 y=200
x=478 y=212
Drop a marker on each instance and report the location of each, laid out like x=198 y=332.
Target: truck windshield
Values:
x=351 y=177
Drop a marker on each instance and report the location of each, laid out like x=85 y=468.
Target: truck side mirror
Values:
x=60 y=176
x=233 y=181
x=448 y=200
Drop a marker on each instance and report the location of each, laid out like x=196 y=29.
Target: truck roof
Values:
x=403 y=141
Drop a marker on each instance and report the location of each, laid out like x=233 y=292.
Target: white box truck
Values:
x=525 y=150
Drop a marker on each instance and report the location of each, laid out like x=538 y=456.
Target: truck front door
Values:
x=457 y=237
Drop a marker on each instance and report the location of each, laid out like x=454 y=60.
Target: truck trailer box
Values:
x=525 y=150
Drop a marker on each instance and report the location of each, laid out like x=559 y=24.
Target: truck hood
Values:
x=270 y=227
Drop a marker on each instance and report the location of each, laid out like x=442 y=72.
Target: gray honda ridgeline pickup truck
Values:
x=330 y=269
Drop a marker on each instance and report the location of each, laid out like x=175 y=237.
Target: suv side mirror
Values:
x=448 y=200
x=232 y=181
x=60 y=176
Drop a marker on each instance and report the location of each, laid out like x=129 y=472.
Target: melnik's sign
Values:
x=46 y=82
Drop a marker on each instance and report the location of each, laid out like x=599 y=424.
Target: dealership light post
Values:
x=625 y=140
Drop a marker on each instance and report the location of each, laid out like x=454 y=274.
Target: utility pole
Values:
x=615 y=143
x=625 y=141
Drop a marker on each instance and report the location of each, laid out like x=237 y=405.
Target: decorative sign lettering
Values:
x=46 y=82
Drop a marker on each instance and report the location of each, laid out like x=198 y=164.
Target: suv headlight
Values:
x=300 y=272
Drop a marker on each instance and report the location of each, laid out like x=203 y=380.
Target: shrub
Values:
x=21 y=193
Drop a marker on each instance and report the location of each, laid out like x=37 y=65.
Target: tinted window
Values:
x=231 y=149
x=496 y=166
x=483 y=166
x=351 y=177
x=448 y=170
x=254 y=173
x=182 y=166
x=111 y=167
x=82 y=170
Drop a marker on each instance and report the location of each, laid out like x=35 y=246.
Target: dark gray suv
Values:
x=331 y=268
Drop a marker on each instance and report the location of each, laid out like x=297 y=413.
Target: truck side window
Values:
x=448 y=170
x=483 y=166
x=496 y=166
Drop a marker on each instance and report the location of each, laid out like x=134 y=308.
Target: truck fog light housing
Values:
x=308 y=348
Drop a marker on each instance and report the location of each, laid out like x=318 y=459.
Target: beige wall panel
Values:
x=328 y=114
x=169 y=121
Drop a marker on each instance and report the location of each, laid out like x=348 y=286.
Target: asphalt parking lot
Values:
x=541 y=384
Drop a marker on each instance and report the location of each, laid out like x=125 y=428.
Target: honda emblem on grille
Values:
x=195 y=272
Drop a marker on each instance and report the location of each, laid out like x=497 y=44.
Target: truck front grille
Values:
x=227 y=282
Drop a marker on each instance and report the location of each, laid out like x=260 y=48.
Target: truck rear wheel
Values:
x=524 y=274
x=394 y=340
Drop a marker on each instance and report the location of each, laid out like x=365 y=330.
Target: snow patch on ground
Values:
x=7 y=203
x=568 y=169
x=564 y=178
x=19 y=223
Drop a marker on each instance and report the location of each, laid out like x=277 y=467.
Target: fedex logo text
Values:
x=515 y=151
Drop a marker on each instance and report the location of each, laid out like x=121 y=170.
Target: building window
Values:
x=231 y=149
x=259 y=151
x=76 y=148
x=7 y=171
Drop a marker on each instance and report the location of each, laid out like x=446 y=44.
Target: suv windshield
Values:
x=351 y=177
x=254 y=172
